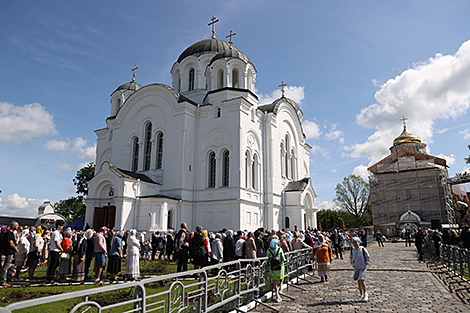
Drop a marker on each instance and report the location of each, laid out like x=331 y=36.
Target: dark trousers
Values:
x=88 y=259
x=5 y=268
x=182 y=257
x=53 y=263
x=337 y=248
x=380 y=242
x=407 y=242
x=154 y=252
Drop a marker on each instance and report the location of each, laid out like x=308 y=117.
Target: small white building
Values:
x=203 y=151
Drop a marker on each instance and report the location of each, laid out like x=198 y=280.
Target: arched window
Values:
x=191 y=80
x=218 y=112
x=254 y=173
x=177 y=81
x=247 y=169
x=220 y=79
x=283 y=164
x=135 y=154
x=293 y=165
x=170 y=220
x=287 y=222
x=159 y=150
x=148 y=146
x=235 y=78
x=226 y=169
x=118 y=104
x=212 y=165
x=250 y=81
x=286 y=158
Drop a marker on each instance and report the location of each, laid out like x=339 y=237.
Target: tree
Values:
x=72 y=209
x=353 y=196
x=84 y=175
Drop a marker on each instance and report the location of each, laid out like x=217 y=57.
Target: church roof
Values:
x=130 y=175
x=403 y=152
x=205 y=46
x=274 y=107
x=299 y=185
x=406 y=137
x=230 y=54
x=128 y=86
x=161 y=196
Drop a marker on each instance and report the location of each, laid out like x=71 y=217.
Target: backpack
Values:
x=275 y=262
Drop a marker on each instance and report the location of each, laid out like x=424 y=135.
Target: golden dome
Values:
x=406 y=137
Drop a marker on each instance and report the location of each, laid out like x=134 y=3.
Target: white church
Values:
x=203 y=151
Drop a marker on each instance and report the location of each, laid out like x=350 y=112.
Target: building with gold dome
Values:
x=408 y=187
x=203 y=151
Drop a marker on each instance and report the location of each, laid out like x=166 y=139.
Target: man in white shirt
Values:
x=56 y=249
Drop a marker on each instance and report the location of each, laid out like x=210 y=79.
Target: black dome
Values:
x=204 y=46
x=229 y=54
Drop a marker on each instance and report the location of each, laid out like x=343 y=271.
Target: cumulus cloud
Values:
x=295 y=93
x=24 y=123
x=333 y=170
x=427 y=91
x=334 y=133
x=361 y=171
x=465 y=133
x=65 y=166
x=449 y=158
x=311 y=129
x=320 y=150
x=15 y=205
x=327 y=205
x=55 y=145
x=79 y=147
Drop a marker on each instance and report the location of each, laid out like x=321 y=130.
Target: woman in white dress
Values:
x=133 y=250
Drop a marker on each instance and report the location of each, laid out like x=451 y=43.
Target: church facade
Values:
x=202 y=151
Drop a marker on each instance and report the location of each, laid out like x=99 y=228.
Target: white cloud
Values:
x=441 y=131
x=361 y=171
x=79 y=148
x=430 y=90
x=326 y=205
x=334 y=133
x=55 y=145
x=24 y=123
x=295 y=93
x=333 y=170
x=449 y=158
x=17 y=206
x=322 y=151
x=465 y=133
x=65 y=166
x=311 y=129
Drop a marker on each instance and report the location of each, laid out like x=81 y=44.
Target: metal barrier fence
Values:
x=219 y=287
x=456 y=259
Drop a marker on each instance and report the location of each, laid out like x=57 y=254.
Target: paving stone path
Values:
x=396 y=282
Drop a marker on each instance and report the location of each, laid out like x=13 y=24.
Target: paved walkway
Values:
x=396 y=282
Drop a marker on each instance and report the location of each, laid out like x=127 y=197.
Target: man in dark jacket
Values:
x=9 y=249
x=336 y=239
x=419 y=237
x=229 y=247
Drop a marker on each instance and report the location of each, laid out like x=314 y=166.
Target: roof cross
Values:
x=133 y=72
x=231 y=35
x=404 y=121
x=214 y=20
x=282 y=87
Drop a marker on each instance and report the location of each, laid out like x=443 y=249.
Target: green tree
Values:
x=72 y=208
x=353 y=196
x=84 y=175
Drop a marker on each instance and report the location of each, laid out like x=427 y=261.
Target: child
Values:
x=359 y=259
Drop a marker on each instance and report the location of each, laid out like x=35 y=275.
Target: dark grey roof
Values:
x=299 y=185
x=205 y=46
x=274 y=107
x=161 y=196
x=128 y=86
x=22 y=221
x=230 y=54
x=130 y=175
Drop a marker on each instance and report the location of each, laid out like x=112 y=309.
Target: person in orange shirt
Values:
x=323 y=251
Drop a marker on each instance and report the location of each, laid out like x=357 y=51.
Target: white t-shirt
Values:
x=55 y=238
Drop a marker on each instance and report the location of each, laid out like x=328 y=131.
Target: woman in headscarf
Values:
x=35 y=253
x=115 y=255
x=133 y=250
x=323 y=251
x=276 y=261
x=80 y=256
x=298 y=243
x=23 y=250
x=283 y=242
x=66 y=256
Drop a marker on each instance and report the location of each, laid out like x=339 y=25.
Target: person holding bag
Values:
x=324 y=253
x=276 y=261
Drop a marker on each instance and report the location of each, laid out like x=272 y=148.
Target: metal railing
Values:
x=218 y=287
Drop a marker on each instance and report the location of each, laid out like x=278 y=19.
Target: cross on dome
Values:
x=133 y=72
x=282 y=87
x=231 y=35
x=214 y=20
x=404 y=121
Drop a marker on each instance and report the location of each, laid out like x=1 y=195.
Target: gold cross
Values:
x=282 y=87
x=133 y=74
x=404 y=121
x=231 y=35
x=214 y=20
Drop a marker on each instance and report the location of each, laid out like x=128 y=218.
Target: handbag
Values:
x=65 y=255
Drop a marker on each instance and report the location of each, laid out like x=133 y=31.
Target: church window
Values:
x=250 y=80
x=283 y=166
x=226 y=169
x=287 y=222
x=254 y=172
x=286 y=158
x=159 y=150
x=235 y=78
x=292 y=163
x=220 y=79
x=177 y=81
x=247 y=169
x=148 y=146
x=135 y=155
x=218 y=112
x=191 y=79
x=212 y=165
x=170 y=220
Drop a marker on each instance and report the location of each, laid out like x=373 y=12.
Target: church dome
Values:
x=230 y=54
x=133 y=86
x=406 y=137
x=205 y=46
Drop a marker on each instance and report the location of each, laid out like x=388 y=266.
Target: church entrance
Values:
x=104 y=216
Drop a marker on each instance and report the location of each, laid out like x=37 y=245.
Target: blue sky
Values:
x=355 y=68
